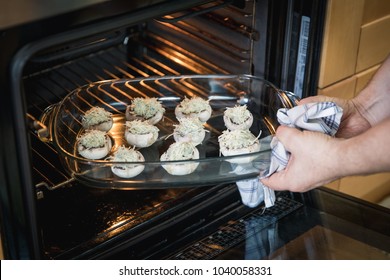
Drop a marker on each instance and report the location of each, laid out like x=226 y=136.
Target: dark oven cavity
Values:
x=82 y=222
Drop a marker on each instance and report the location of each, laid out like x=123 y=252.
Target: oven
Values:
x=47 y=52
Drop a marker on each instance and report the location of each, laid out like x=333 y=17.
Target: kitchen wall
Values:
x=1 y=250
x=356 y=41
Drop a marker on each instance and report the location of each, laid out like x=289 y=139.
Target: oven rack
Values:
x=207 y=38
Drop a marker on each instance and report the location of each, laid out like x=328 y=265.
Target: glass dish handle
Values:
x=289 y=99
x=43 y=126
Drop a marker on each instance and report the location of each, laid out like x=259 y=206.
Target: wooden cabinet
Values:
x=356 y=41
x=341 y=40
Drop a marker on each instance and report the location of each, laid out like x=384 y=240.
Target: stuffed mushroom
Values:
x=189 y=130
x=126 y=155
x=180 y=151
x=94 y=144
x=238 y=117
x=97 y=118
x=193 y=107
x=140 y=134
x=238 y=142
x=146 y=109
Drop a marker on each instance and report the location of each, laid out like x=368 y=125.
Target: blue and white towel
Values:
x=322 y=117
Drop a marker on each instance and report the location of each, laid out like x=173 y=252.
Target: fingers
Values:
x=292 y=140
x=317 y=98
x=308 y=165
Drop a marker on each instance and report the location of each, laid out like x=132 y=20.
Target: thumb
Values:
x=288 y=136
x=274 y=181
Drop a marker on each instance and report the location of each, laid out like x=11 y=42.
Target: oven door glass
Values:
x=319 y=225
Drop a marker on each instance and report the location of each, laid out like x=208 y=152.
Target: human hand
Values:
x=313 y=161
x=352 y=122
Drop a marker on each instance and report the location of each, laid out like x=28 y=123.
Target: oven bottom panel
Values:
x=83 y=223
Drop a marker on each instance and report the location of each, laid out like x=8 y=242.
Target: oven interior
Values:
x=80 y=222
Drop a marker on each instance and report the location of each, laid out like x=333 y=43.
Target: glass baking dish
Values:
x=61 y=126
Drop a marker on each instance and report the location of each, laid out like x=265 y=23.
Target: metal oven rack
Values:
x=236 y=231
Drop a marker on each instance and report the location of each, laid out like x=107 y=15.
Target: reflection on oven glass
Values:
x=264 y=238
x=320 y=243
x=259 y=243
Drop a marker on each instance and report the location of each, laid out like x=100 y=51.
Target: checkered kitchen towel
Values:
x=322 y=117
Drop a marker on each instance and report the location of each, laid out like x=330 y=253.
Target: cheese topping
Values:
x=194 y=105
x=146 y=107
x=180 y=151
x=93 y=139
x=188 y=126
x=238 y=114
x=237 y=139
x=95 y=115
x=140 y=127
x=124 y=154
